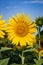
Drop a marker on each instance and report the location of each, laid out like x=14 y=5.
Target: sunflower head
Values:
x=39 y=21
x=21 y=30
x=2 y=27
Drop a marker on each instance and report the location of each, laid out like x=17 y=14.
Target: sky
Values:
x=9 y=8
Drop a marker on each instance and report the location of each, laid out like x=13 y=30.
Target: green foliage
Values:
x=41 y=35
x=36 y=45
x=18 y=64
x=4 y=61
x=5 y=48
x=38 y=62
x=31 y=50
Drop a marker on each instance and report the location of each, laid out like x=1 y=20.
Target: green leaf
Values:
x=29 y=50
x=5 y=48
x=18 y=64
x=36 y=45
x=38 y=62
x=4 y=61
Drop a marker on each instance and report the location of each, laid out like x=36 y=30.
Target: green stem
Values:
x=39 y=44
x=0 y=53
x=22 y=58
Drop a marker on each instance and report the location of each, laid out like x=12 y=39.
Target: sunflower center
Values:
x=22 y=30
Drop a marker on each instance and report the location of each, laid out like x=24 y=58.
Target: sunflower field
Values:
x=21 y=40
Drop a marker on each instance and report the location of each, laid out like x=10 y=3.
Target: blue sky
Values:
x=9 y=8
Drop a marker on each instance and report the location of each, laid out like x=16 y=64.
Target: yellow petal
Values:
x=32 y=24
x=2 y=33
x=2 y=21
x=15 y=40
x=22 y=42
x=1 y=36
x=33 y=30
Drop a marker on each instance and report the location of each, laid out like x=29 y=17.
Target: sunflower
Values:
x=39 y=21
x=21 y=30
x=2 y=28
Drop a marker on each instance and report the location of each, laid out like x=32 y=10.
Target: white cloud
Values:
x=33 y=1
